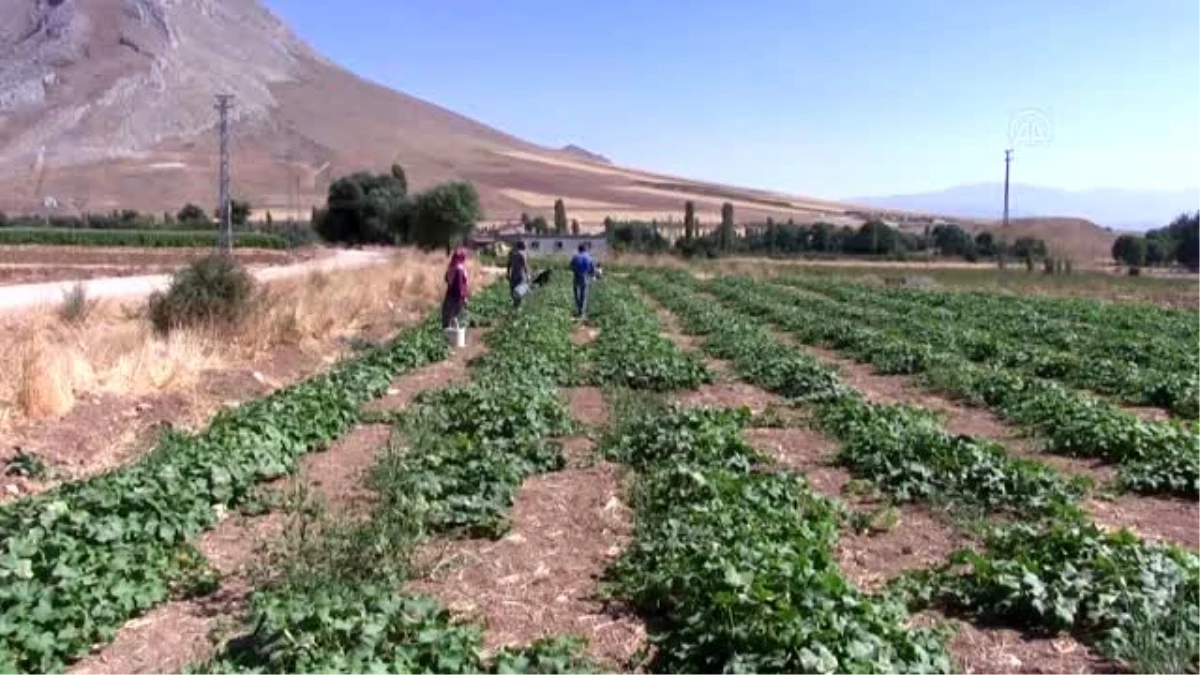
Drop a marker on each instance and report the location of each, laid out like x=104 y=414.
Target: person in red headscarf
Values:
x=457 y=290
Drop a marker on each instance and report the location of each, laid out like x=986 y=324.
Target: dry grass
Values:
x=46 y=364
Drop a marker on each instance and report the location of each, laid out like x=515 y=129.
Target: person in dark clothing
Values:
x=583 y=269
x=518 y=274
x=457 y=291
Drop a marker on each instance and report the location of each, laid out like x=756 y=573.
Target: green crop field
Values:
x=729 y=555
x=50 y=236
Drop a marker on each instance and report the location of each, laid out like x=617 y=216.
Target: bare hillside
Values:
x=109 y=104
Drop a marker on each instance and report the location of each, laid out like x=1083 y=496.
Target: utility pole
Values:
x=224 y=103
x=1007 y=164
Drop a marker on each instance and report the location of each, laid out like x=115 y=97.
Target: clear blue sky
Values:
x=815 y=97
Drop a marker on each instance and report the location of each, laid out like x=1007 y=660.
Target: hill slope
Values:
x=109 y=104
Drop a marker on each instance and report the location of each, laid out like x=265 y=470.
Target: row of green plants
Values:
x=80 y=560
x=1155 y=457
x=734 y=567
x=906 y=451
x=1138 y=602
x=461 y=454
x=1139 y=366
x=139 y=238
x=630 y=351
x=1135 y=600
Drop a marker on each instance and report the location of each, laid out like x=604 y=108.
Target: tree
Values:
x=270 y=221
x=539 y=225
x=191 y=214
x=950 y=239
x=874 y=237
x=1158 y=251
x=726 y=232
x=1185 y=230
x=365 y=208
x=239 y=212
x=689 y=220
x=1029 y=249
x=1129 y=250
x=401 y=178
x=445 y=214
x=526 y=223
x=574 y=228
x=985 y=244
x=560 y=217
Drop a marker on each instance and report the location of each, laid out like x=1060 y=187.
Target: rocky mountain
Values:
x=108 y=104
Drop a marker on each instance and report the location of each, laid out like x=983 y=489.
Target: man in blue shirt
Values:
x=583 y=268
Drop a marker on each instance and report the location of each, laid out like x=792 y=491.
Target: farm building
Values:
x=554 y=244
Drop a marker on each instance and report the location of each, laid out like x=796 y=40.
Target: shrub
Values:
x=75 y=306
x=212 y=290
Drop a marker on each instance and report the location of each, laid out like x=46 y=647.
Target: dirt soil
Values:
x=169 y=637
x=173 y=635
x=917 y=538
x=587 y=406
x=540 y=579
x=1157 y=518
x=1162 y=519
x=38 y=264
x=979 y=649
x=728 y=395
x=434 y=376
x=107 y=430
x=959 y=419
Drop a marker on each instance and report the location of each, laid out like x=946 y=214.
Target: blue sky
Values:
x=814 y=97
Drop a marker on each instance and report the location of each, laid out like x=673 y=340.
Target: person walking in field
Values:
x=583 y=269
x=457 y=290
x=518 y=274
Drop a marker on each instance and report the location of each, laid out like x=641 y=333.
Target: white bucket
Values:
x=456 y=335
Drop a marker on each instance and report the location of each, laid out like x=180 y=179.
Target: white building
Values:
x=554 y=244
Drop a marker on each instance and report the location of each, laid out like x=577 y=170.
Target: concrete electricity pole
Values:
x=1007 y=164
x=224 y=206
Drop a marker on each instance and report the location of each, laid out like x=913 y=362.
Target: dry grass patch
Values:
x=46 y=364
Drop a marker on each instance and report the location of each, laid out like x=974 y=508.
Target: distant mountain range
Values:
x=1109 y=207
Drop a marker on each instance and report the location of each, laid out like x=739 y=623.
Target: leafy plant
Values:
x=81 y=559
x=737 y=567
x=630 y=352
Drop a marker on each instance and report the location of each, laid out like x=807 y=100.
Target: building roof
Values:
x=523 y=235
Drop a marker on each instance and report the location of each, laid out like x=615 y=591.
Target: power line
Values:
x=224 y=205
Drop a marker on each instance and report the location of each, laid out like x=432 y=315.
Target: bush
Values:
x=75 y=307
x=212 y=290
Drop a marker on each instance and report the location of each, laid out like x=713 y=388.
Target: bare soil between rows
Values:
x=173 y=635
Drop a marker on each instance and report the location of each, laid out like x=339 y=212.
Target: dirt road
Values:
x=24 y=296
